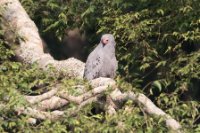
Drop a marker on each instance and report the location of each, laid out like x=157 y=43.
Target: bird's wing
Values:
x=93 y=65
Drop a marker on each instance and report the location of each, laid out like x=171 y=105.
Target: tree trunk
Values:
x=30 y=49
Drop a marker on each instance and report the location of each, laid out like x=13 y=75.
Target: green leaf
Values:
x=157 y=84
x=162 y=63
x=144 y=66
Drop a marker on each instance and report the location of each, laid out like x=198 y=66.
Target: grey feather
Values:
x=102 y=61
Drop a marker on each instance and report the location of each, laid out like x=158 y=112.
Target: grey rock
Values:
x=102 y=60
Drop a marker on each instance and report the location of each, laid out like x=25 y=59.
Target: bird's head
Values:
x=108 y=39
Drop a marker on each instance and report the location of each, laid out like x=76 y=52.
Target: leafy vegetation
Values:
x=158 y=52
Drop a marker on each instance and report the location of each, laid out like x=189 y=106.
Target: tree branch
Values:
x=39 y=98
x=42 y=115
x=148 y=106
x=52 y=103
x=85 y=96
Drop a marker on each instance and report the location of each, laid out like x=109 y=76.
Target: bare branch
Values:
x=102 y=82
x=148 y=106
x=52 y=103
x=42 y=115
x=152 y=109
x=39 y=98
x=110 y=106
x=85 y=96
x=75 y=110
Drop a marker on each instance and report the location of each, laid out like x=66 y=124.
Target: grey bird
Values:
x=102 y=62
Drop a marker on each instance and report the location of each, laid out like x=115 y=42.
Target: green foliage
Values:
x=158 y=52
x=126 y=120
